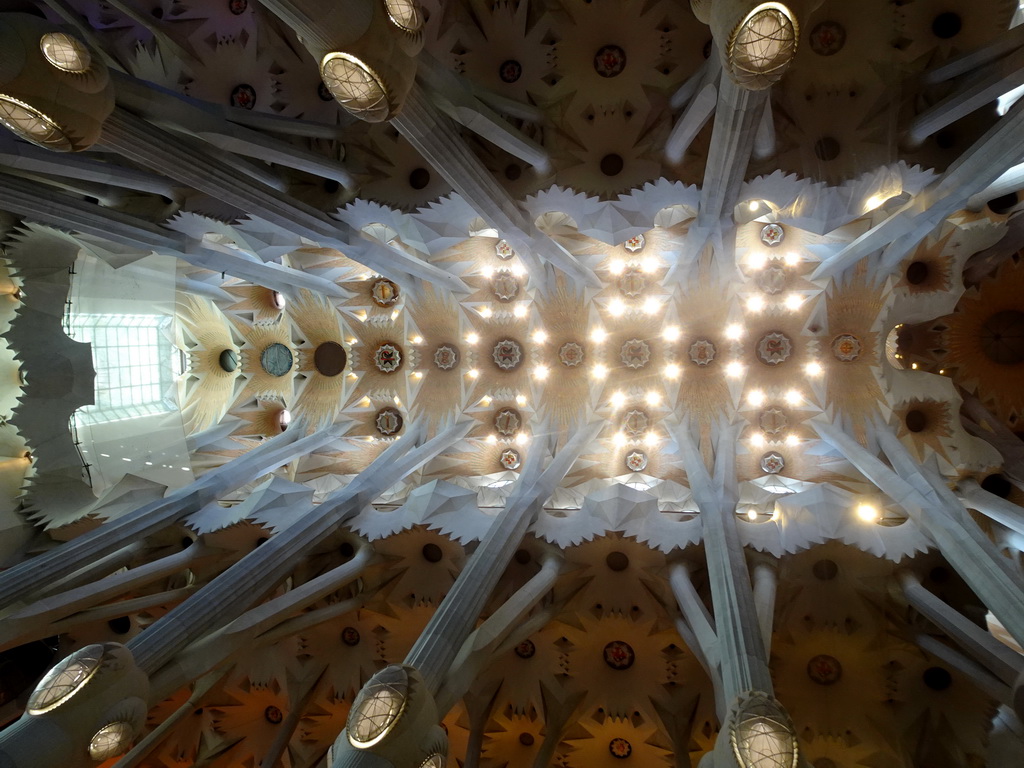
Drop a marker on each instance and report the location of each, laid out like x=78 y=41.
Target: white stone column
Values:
x=1002 y=511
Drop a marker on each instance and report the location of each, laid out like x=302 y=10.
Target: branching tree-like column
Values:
x=393 y=721
x=20 y=580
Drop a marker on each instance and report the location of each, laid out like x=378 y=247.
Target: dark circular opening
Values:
x=513 y=171
x=917 y=272
x=526 y=739
x=945 y=139
x=937 y=678
x=228 y=360
x=826 y=148
x=1003 y=203
x=939 y=574
x=158 y=12
x=826 y=570
x=998 y=485
x=510 y=71
x=706 y=50
x=186 y=542
x=523 y=556
x=617 y=561
x=612 y=165
x=122 y=625
x=432 y=553
x=947 y=25
x=419 y=178
x=261 y=541
x=1002 y=337
x=198 y=711
x=273 y=715
x=346 y=549
x=916 y=421
x=331 y=186
x=329 y=358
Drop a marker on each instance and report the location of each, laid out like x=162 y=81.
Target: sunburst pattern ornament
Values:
x=384 y=293
x=774 y=348
x=446 y=357
x=510 y=458
x=846 y=347
x=632 y=282
x=635 y=353
x=388 y=421
x=635 y=424
x=773 y=421
x=503 y=250
x=635 y=244
x=387 y=357
x=702 y=352
x=772 y=235
x=505 y=285
x=507 y=354
x=636 y=461
x=570 y=354
x=773 y=463
x=507 y=422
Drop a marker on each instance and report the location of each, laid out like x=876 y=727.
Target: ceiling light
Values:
x=751 y=514
x=598 y=335
x=472 y=338
x=518 y=269
x=617 y=307
x=756 y=398
x=485 y=400
x=755 y=303
x=520 y=310
x=521 y=438
x=520 y=400
x=652 y=398
x=868 y=513
x=873 y=202
x=757 y=439
x=672 y=333
x=540 y=372
x=733 y=331
x=734 y=369
x=492 y=439
x=791 y=259
x=417 y=339
x=485 y=312
x=753 y=205
x=793 y=301
x=651 y=305
x=472 y=373
x=792 y=439
x=814 y=369
x=757 y=260
x=649 y=264
x=793 y=397
x=487 y=271
x=619 y=438
x=599 y=371
x=673 y=371
x=417 y=374
x=618 y=400
x=651 y=438
x=616 y=266
x=539 y=336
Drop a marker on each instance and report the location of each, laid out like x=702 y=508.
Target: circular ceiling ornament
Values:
x=446 y=357
x=65 y=52
x=507 y=354
x=507 y=421
x=238 y=7
x=619 y=655
x=378 y=706
x=761 y=733
x=762 y=46
x=510 y=459
x=772 y=463
x=774 y=348
x=635 y=424
x=405 y=14
x=772 y=280
x=388 y=421
x=243 y=96
x=350 y=636
x=620 y=748
x=636 y=461
x=28 y=123
x=702 y=352
x=846 y=347
x=635 y=244
x=228 y=360
x=773 y=421
x=772 y=235
x=632 y=282
x=503 y=250
x=276 y=359
x=436 y=760
x=387 y=357
x=526 y=649
x=510 y=70
x=571 y=354
x=111 y=740
x=505 y=285
x=273 y=715
x=609 y=61
x=384 y=292
x=355 y=86
x=827 y=38
x=329 y=358
x=635 y=353
x=824 y=669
